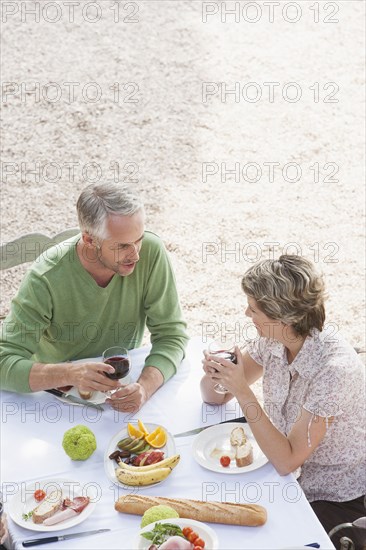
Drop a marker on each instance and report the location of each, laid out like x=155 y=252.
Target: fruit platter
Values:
x=140 y=455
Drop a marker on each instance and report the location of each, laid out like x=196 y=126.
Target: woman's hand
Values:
x=225 y=372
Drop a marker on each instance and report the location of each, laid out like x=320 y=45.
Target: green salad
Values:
x=161 y=532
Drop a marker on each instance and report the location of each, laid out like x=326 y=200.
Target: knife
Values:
x=312 y=545
x=241 y=419
x=37 y=542
x=74 y=399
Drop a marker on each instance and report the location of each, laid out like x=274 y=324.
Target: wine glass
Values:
x=226 y=350
x=119 y=358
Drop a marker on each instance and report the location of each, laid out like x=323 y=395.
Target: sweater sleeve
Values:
x=21 y=332
x=164 y=317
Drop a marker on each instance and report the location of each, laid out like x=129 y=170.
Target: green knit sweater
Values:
x=61 y=314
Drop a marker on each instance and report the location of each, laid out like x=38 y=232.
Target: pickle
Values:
x=137 y=447
x=122 y=444
x=147 y=447
x=133 y=443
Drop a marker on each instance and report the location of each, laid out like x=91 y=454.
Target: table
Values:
x=33 y=426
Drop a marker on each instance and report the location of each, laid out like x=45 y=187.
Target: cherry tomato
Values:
x=187 y=531
x=225 y=461
x=192 y=537
x=199 y=543
x=39 y=495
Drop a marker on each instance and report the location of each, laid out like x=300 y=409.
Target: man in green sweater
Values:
x=91 y=292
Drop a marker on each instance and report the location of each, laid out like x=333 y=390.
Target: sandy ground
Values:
x=181 y=142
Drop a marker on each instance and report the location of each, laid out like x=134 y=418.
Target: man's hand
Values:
x=91 y=377
x=85 y=376
x=132 y=397
x=128 y=398
x=3 y=529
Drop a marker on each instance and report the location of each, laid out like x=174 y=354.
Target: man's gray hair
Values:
x=98 y=201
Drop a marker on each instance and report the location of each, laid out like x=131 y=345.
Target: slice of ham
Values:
x=176 y=543
x=70 y=509
x=63 y=515
x=78 y=504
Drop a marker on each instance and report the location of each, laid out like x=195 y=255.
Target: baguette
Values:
x=211 y=512
x=49 y=506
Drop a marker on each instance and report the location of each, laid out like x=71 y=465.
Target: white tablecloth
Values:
x=31 y=434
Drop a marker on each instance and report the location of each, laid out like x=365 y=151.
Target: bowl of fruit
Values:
x=140 y=455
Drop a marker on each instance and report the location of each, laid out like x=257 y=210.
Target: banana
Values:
x=128 y=477
x=170 y=462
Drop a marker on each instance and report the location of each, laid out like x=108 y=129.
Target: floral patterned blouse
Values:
x=327 y=379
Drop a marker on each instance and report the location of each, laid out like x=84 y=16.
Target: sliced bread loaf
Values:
x=244 y=455
x=48 y=506
x=237 y=437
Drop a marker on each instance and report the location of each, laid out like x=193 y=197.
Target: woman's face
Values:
x=270 y=328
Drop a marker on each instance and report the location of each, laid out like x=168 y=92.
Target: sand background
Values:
x=170 y=133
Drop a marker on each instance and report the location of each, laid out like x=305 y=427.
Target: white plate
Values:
x=97 y=397
x=205 y=532
x=219 y=437
x=23 y=502
x=110 y=465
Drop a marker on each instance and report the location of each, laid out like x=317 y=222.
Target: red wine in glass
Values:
x=118 y=358
x=121 y=365
x=228 y=353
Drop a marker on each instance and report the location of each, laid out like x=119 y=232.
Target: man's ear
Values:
x=88 y=240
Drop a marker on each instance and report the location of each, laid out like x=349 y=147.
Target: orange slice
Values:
x=142 y=427
x=157 y=438
x=134 y=432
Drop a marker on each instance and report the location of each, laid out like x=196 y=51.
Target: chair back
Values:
x=350 y=536
x=28 y=247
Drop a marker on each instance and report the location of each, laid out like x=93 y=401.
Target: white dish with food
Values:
x=24 y=502
x=205 y=532
x=97 y=397
x=110 y=465
x=214 y=442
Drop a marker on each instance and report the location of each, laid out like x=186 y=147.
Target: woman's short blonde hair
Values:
x=289 y=290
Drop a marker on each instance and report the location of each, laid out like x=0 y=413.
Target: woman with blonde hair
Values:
x=313 y=388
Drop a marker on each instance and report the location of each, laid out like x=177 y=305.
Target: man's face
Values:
x=120 y=252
